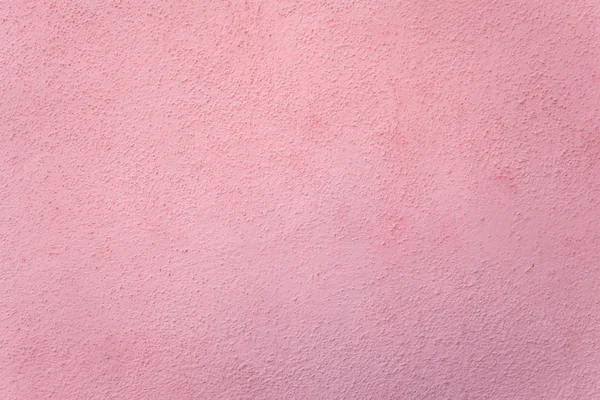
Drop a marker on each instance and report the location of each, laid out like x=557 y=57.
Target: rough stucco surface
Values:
x=299 y=200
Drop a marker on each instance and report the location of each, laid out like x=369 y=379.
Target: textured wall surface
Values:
x=299 y=199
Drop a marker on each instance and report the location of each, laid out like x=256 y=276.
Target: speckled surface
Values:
x=299 y=200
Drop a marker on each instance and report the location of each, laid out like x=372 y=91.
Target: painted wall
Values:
x=299 y=199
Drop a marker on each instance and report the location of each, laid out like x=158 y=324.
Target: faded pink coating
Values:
x=299 y=199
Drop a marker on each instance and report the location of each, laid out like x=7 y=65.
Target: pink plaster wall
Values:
x=299 y=199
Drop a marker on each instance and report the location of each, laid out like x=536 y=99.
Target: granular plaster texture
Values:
x=299 y=199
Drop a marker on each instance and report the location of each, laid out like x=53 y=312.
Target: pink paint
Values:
x=299 y=200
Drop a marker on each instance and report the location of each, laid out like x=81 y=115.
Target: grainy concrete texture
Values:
x=299 y=199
